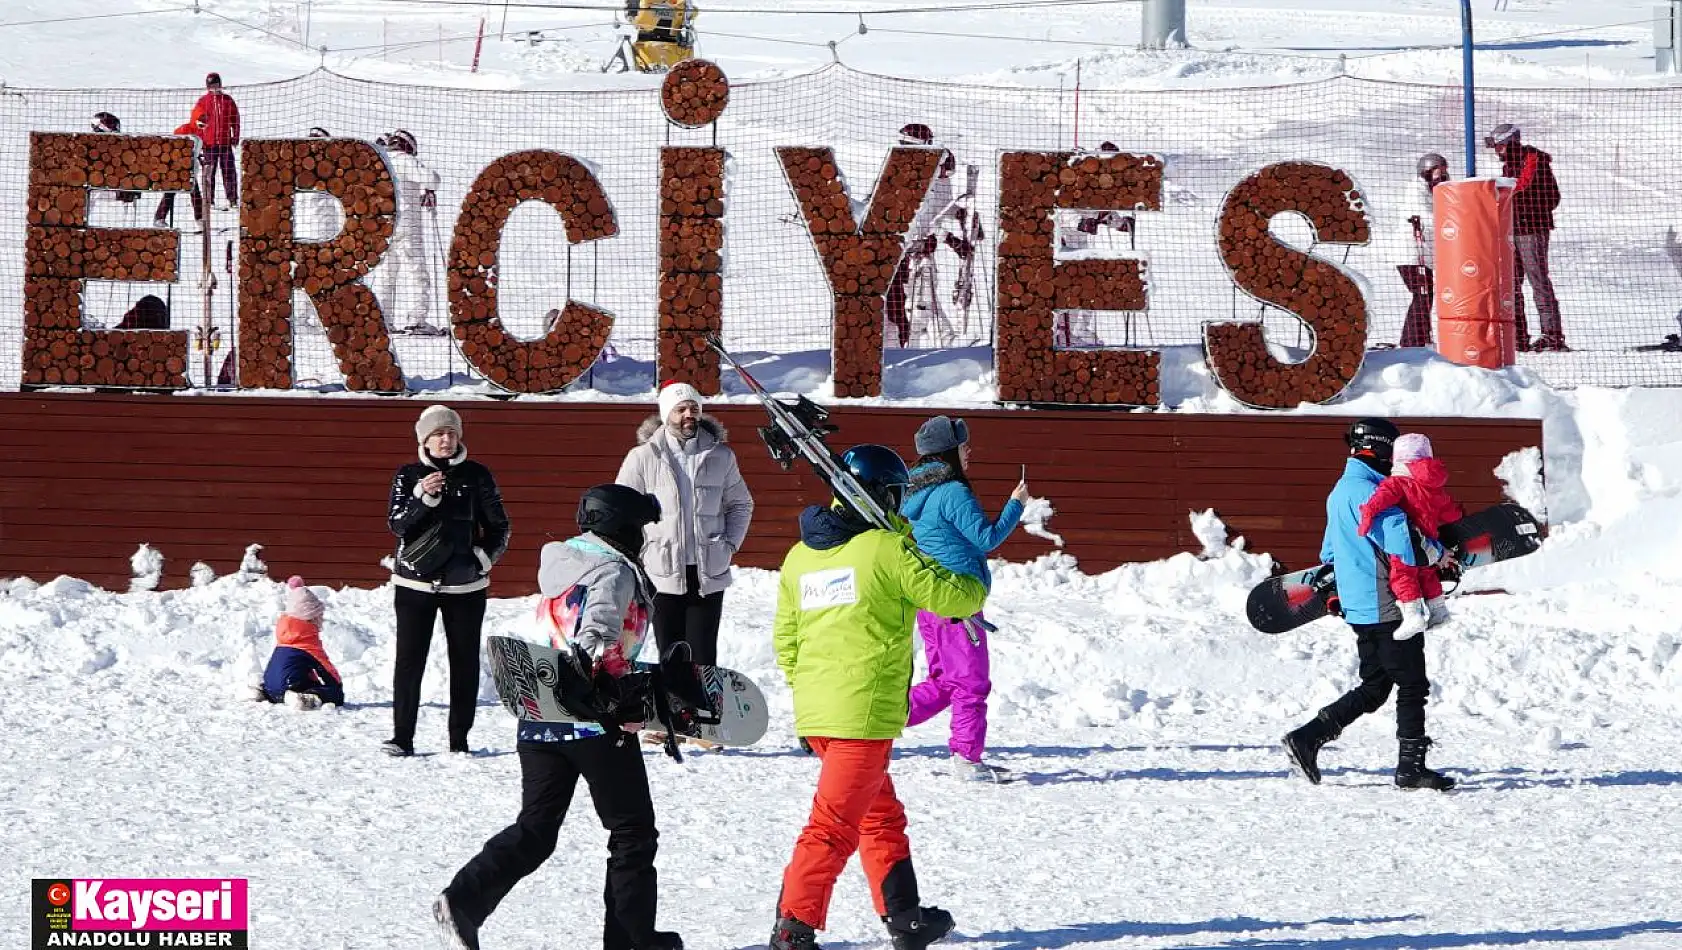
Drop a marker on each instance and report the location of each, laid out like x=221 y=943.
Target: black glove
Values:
x=806 y=747
x=624 y=699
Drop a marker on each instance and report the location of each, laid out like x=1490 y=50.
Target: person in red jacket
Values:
x=1534 y=201
x=1418 y=485
x=216 y=116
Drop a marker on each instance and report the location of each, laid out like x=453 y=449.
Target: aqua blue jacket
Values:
x=949 y=525
x=1363 y=576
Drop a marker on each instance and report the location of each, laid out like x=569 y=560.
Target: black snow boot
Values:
x=791 y=934
x=1411 y=771
x=916 y=929
x=1303 y=745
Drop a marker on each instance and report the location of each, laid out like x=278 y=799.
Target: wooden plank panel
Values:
x=203 y=476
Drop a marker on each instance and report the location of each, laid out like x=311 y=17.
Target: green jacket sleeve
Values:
x=785 y=629
x=928 y=586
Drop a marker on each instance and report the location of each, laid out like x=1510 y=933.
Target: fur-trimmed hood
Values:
x=928 y=475
x=708 y=424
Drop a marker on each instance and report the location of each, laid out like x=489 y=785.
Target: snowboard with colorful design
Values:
x=527 y=675
x=1284 y=603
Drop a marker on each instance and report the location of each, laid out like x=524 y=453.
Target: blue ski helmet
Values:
x=880 y=472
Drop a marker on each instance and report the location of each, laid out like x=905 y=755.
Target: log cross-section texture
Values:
x=571 y=346
x=273 y=263
x=61 y=253
x=859 y=258
x=1033 y=285
x=216 y=477
x=1316 y=291
x=691 y=264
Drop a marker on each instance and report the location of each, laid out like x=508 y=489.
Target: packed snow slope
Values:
x=531 y=45
x=1137 y=707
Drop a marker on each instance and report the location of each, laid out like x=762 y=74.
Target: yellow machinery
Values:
x=665 y=36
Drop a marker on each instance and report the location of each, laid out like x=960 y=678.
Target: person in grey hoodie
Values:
x=596 y=602
x=681 y=458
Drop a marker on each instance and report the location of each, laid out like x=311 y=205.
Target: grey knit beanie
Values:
x=941 y=434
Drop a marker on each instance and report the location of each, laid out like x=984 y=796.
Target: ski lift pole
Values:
x=1468 y=88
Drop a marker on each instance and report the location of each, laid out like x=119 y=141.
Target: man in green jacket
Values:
x=846 y=605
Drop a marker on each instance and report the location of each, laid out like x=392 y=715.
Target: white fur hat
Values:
x=675 y=392
x=434 y=418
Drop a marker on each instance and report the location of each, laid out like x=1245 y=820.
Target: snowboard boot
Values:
x=391 y=747
x=1415 y=618
x=662 y=940
x=1438 y=606
x=968 y=771
x=916 y=929
x=791 y=934
x=1303 y=745
x=1411 y=771
x=457 y=933
x=256 y=694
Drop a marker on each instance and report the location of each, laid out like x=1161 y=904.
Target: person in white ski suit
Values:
x=928 y=302
x=316 y=215
x=403 y=279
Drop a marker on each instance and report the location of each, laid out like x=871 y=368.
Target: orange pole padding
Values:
x=1472 y=237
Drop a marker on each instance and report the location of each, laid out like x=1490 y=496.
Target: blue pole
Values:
x=1467 y=86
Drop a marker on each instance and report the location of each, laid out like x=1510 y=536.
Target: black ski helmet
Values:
x=318 y=132
x=916 y=133
x=880 y=472
x=106 y=122
x=1431 y=162
x=1372 y=439
x=617 y=514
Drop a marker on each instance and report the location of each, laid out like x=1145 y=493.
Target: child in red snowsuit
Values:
x=1416 y=485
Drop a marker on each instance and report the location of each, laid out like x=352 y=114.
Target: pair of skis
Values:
x=797 y=430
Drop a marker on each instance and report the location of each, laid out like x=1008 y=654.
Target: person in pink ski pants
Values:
x=950 y=526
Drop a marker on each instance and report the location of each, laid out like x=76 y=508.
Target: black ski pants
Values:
x=612 y=766
x=689 y=617
x=464 y=617
x=1385 y=663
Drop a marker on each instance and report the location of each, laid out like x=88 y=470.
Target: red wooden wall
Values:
x=90 y=477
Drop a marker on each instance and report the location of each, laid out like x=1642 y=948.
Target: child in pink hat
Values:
x=1418 y=485
x=299 y=672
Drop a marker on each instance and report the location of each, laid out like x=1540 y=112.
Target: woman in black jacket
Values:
x=447 y=514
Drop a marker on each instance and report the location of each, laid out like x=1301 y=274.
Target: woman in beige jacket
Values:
x=681 y=458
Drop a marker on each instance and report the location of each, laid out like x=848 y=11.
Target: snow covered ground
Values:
x=1139 y=709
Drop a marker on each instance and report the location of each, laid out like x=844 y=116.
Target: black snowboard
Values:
x=1286 y=602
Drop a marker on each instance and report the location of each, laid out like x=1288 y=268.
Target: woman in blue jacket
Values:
x=950 y=527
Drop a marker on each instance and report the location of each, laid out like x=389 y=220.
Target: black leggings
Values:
x=464 y=617
x=689 y=617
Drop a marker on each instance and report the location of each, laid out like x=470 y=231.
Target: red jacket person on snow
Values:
x=1417 y=484
x=216 y=119
x=1534 y=202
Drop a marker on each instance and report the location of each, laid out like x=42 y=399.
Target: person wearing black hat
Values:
x=1534 y=200
x=596 y=602
x=1361 y=566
